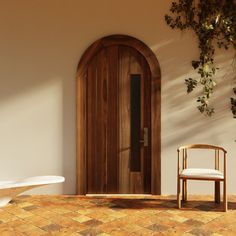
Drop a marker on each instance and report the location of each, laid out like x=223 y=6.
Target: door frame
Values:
x=81 y=176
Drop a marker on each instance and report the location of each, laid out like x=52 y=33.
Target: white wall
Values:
x=41 y=43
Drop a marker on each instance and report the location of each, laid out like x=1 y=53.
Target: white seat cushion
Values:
x=202 y=173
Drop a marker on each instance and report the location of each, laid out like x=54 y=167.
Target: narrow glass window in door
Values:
x=135 y=122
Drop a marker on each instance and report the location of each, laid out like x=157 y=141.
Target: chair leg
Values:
x=178 y=193
x=225 y=198
x=217 y=192
x=184 y=190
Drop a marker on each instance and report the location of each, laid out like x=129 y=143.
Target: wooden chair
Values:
x=215 y=174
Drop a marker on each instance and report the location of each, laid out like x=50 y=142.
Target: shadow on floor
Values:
x=159 y=204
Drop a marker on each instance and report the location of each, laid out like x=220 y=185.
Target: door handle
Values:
x=145 y=137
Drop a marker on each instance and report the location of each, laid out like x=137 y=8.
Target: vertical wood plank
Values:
x=146 y=122
x=91 y=127
x=101 y=121
x=124 y=121
x=112 y=120
x=136 y=178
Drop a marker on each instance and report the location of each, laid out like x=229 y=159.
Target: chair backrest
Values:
x=202 y=146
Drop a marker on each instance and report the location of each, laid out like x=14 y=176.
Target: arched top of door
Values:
x=124 y=40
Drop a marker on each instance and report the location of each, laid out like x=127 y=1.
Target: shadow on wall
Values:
x=180 y=115
x=37 y=120
x=182 y=123
x=186 y=121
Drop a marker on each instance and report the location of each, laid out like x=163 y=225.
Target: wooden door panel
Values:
x=96 y=124
x=100 y=107
x=108 y=122
x=102 y=117
x=131 y=62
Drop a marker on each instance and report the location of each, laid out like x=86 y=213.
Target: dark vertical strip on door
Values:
x=135 y=121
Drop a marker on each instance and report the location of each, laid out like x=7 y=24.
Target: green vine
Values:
x=214 y=23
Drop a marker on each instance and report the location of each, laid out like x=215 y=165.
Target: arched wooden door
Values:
x=118 y=118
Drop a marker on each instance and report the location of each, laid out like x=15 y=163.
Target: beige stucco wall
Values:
x=41 y=43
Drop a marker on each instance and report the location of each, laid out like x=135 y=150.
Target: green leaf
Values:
x=195 y=64
x=191 y=84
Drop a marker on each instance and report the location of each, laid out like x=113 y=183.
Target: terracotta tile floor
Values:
x=75 y=215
